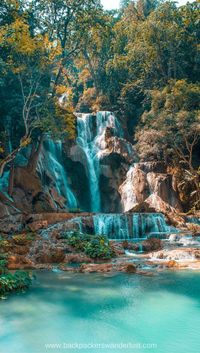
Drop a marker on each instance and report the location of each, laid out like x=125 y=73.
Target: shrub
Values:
x=5 y=245
x=98 y=247
x=3 y=266
x=78 y=240
x=94 y=246
x=23 y=239
x=19 y=281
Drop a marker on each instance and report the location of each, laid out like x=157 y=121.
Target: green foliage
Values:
x=170 y=131
x=38 y=41
x=3 y=266
x=94 y=246
x=19 y=281
x=57 y=57
x=98 y=247
x=5 y=245
x=23 y=239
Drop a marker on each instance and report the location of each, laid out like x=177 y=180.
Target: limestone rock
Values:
x=152 y=244
x=147 y=182
x=19 y=262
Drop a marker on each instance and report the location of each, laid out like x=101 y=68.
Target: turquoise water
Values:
x=161 y=313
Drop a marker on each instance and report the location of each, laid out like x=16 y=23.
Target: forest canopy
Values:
x=142 y=62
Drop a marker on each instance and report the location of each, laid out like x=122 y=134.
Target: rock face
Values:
x=96 y=173
x=11 y=218
x=177 y=254
x=147 y=184
x=29 y=195
x=103 y=156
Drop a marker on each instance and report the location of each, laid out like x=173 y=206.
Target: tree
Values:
x=171 y=129
x=29 y=61
x=65 y=22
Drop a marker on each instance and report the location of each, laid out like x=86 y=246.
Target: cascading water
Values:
x=114 y=226
x=194 y=220
x=129 y=226
x=51 y=160
x=4 y=181
x=92 y=140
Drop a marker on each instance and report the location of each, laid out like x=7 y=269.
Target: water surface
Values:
x=160 y=312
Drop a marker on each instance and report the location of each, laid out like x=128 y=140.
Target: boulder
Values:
x=117 y=248
x=12 y=223
x=100 y=268
x=19 y=262
x=172 y=264
x=131 y=268
x=134 y=190
x=49 y=254
x=155 y=204
x=119 y=146
x=163 y=186
x=77 y=258
x=149 y=180
x=152 y=244
x=194 y=228
x=26 y=181
x=185 y=254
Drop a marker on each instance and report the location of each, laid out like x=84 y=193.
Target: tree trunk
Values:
x=8 y=159
x=33 y=160
x=11 y=180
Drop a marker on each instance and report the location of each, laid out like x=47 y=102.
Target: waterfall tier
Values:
x=118 y=226
x=92 y=130
x=52 y=171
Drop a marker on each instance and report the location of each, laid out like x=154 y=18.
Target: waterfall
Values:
x=131 y=226
x=194 y=220
x=4 y=182
x=114 y=226
x=92 y=140
x=51 y=162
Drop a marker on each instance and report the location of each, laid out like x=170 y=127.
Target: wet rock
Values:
x=20 y=250
x=77 y=258
x=163 y=186
x=130 y=245
x=152 y=244
x=35 y=226
x=50 y=255
x=117 y=248
x=172 y=264
x=194 y=228
x=19 y=262
x=100 y=268
x=12 y=223
x=131 y=268
x=155 y=204
x=177 y=254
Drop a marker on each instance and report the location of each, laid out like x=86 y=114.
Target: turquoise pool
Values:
x=104 y=313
